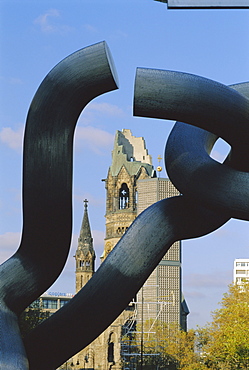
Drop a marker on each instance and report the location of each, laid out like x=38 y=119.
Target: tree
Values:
x=31 y=317
x=227 y=337
x=181 y=347
x=221 y=345
x=166 y=346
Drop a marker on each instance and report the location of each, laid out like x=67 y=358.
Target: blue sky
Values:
x=36 y=35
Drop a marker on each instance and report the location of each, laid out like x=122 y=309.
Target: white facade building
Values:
x=241 y=270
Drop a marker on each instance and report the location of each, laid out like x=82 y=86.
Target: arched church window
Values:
x=124 y=196
x=110 y=350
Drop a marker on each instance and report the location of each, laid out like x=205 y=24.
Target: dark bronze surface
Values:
x=47 y=187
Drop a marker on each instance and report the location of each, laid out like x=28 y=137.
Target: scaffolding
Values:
x=140 y=340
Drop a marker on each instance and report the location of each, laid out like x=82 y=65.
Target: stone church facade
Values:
x=131 y=164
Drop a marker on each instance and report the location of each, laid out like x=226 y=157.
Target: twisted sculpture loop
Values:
x=47 y=198
x=215 y=108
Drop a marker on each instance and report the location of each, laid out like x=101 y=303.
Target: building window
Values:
x=110 y=350
x=121 y=230
x=50 y=303
x=124 y=196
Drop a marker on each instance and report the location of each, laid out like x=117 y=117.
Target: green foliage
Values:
x=31 y=317
x=227 y=346
x=221 y=345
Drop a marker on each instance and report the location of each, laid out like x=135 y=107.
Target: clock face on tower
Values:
x=108 y=248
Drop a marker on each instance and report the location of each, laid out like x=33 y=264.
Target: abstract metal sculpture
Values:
x=206 y=4
x=214 y=107
x=47 y=187
x=47 y=198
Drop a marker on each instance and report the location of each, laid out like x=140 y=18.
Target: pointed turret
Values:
x=85 y=239
x=85 y=255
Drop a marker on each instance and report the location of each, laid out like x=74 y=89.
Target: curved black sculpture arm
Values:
x=47 y=192
x=130 y=263
x=194 y=173
x=209 y=110
x=148 y=238
x=119 y=278
x=197 y=101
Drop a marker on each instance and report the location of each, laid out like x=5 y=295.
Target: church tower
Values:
x=85 y=255
x=130 y=163
x=131 y=186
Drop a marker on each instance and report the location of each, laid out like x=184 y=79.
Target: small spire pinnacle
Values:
x=85 y=204
x=159 y=168
x=85 y=255
x=85 y=238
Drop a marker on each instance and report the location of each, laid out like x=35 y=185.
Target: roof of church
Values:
x=85 y=241
x=131 y=152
